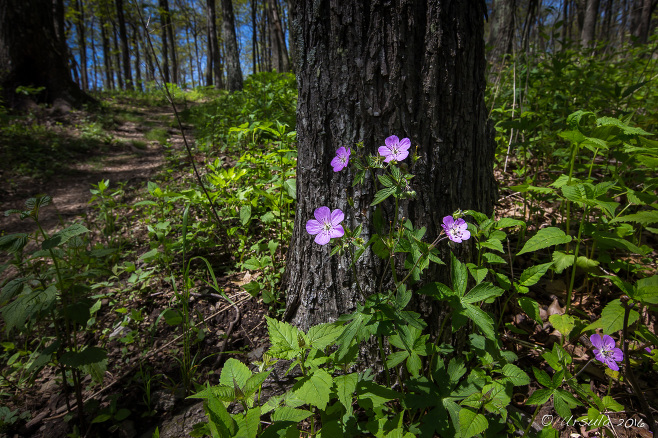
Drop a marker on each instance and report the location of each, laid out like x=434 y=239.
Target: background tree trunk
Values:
x=231 y=55
x=165 y=43
x=589 y=24
x=503 y=22
x=31 y=54
x=367 y=70
x=279 y=51
x=125 y=48
x=214 y=60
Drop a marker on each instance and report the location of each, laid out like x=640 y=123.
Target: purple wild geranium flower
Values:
x=341 y=159
x=395 y=149
x=326 y=225
x=456 y=230
x=606 y=352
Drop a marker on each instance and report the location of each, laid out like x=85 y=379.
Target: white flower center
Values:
x=326 y=226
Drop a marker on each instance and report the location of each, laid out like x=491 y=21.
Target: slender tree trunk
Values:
x=589 y=23
x=165 y=43
x=117 y=56
x=138 y=62
x=94 y=58
x=254 y=38
x=78 y=8
x=125 y=48
x=171 y=39
x=213 y=47
x=109 y=78
x=411 y=68
x=231 y=55
x=279 y=51
x=641 y=20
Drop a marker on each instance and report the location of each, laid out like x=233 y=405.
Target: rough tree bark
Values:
x=501 y=34
x=641 y=13
x=231 y=55
x=589 y=23
x=214 y=60
x=31 y=54
x=125 y=48
x=280 y=59
x=366 y=70
x=165 y=43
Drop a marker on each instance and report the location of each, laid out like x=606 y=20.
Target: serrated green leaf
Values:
x=494 y=244
x=14 y=243
x=283 y=337
x=643 y=218
x=64 y=236
x=532 y=275
x=291 y=187
x=562 y=261
x=382 y=195
x=459 y=275
x=562 y=323
x=314 y=389
x=481 y=319
x=471 y=423
x=245 y=214
x=322 y=335
x=544 y=238
x=481 y=292
x=386 y=180
x=492 y=258
x=612 y=318
x=371 y=395
x=646 y=290
x=539 y=397
x=234 y=373
x=516 y=375
x=345 y=387
x=286 y=413
x=531 y=308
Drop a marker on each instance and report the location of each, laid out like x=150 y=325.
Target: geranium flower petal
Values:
x=608 y=342
x=322 y=214
x=392 y=141
x=617 y=355
x=322 y=238
x=466 y=235
x=402 y=155
x=384 y=151
x=405 y=144
x=612 y=365
x=337 y=231
x=313 y=227
x=337 y=217
x=596 y=340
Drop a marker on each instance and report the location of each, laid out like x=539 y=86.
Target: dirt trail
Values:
x=121 y=162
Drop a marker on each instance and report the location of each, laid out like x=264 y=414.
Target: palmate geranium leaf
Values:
x=322 y=335
x=612 y=318
x=381 y=195
x=481 y=292
x=459 y=275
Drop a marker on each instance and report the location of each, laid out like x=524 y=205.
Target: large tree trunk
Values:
x=107 y=59
x=641 y=19
x=279 y=51
x=82 y=42
x=589 y=24
x=367 y=70
x=31 y=54
x=214 y=60
x=233 y=69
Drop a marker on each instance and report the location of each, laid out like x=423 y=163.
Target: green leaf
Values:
x=492 y=258
x=382 y=195
x=371 y=395
x=13 y=243
x=283 y=337
x=85 y=357
x=494 y=244
x=544 y=238
x=172 y=317
x=234 y=373
x=286 y=413
x=531 y=308
x=481 y=292
x=539 y=397
x=345 y=387
x=291 y=187
x=643 y=218
x=516 y=375
x=562 y=323
x=322 y=335
x=471 y=423
x=245 y=214
x=314 y=389
x=612 y=318
x=481 y=319
x=459 y=275
x=507 y=222
x=64 y=236
x=386 y=180
x=249 y=423
x=646 y=290
x=532 y=275
x=221 y=423
x=562 y=261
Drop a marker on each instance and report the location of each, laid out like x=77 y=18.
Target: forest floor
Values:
x=129 y=146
